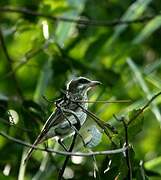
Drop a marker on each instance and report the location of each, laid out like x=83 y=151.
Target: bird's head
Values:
x=81 y=85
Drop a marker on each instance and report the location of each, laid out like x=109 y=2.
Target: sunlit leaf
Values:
x=154 y=165
x=143 y=86
x=136 y=124
x=150 y=28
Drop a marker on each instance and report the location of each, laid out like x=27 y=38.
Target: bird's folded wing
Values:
x=54 y=119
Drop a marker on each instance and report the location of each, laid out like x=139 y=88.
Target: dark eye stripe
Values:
x=83 y=81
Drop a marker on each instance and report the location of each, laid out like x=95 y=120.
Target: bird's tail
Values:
x=37 y=141
x=41 y=137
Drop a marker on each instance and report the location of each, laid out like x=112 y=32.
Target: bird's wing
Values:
x=55 y=118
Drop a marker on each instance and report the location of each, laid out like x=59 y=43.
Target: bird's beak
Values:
x=94 y=83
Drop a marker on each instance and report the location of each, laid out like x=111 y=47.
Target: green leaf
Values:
x=141 y=82
x=43 y=80
x=154 y=66
x=136 y=125
x=134 y=11
x=154 y=80
x=150 y=28
x=65 y=29
x=154 y=165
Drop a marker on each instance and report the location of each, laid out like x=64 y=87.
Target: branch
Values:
x=78 y=21
x=4 y=48
x=127 y=151
x=64 y=153
x=61 y=172
x=90 y=101
x=105 y=102
x=144 y=107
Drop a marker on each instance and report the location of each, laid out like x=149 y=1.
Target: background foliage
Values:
x=45 y=54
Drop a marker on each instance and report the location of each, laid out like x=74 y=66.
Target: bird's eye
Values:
x=83 y=81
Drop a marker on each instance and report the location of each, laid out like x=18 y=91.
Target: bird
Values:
x=68 y=116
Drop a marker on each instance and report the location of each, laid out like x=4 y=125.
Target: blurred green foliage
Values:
x=45 y=54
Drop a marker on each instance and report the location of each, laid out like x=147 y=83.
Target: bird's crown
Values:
x=81 y=85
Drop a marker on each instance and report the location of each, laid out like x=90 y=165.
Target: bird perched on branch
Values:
x=68 y=116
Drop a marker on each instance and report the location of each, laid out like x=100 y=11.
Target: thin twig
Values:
x=22 y=142
x=144 y=107
x=127 y=151
x=103 y=101
x=78 y=20
x=90 y=101
x=19 y=92
x=61 y=172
